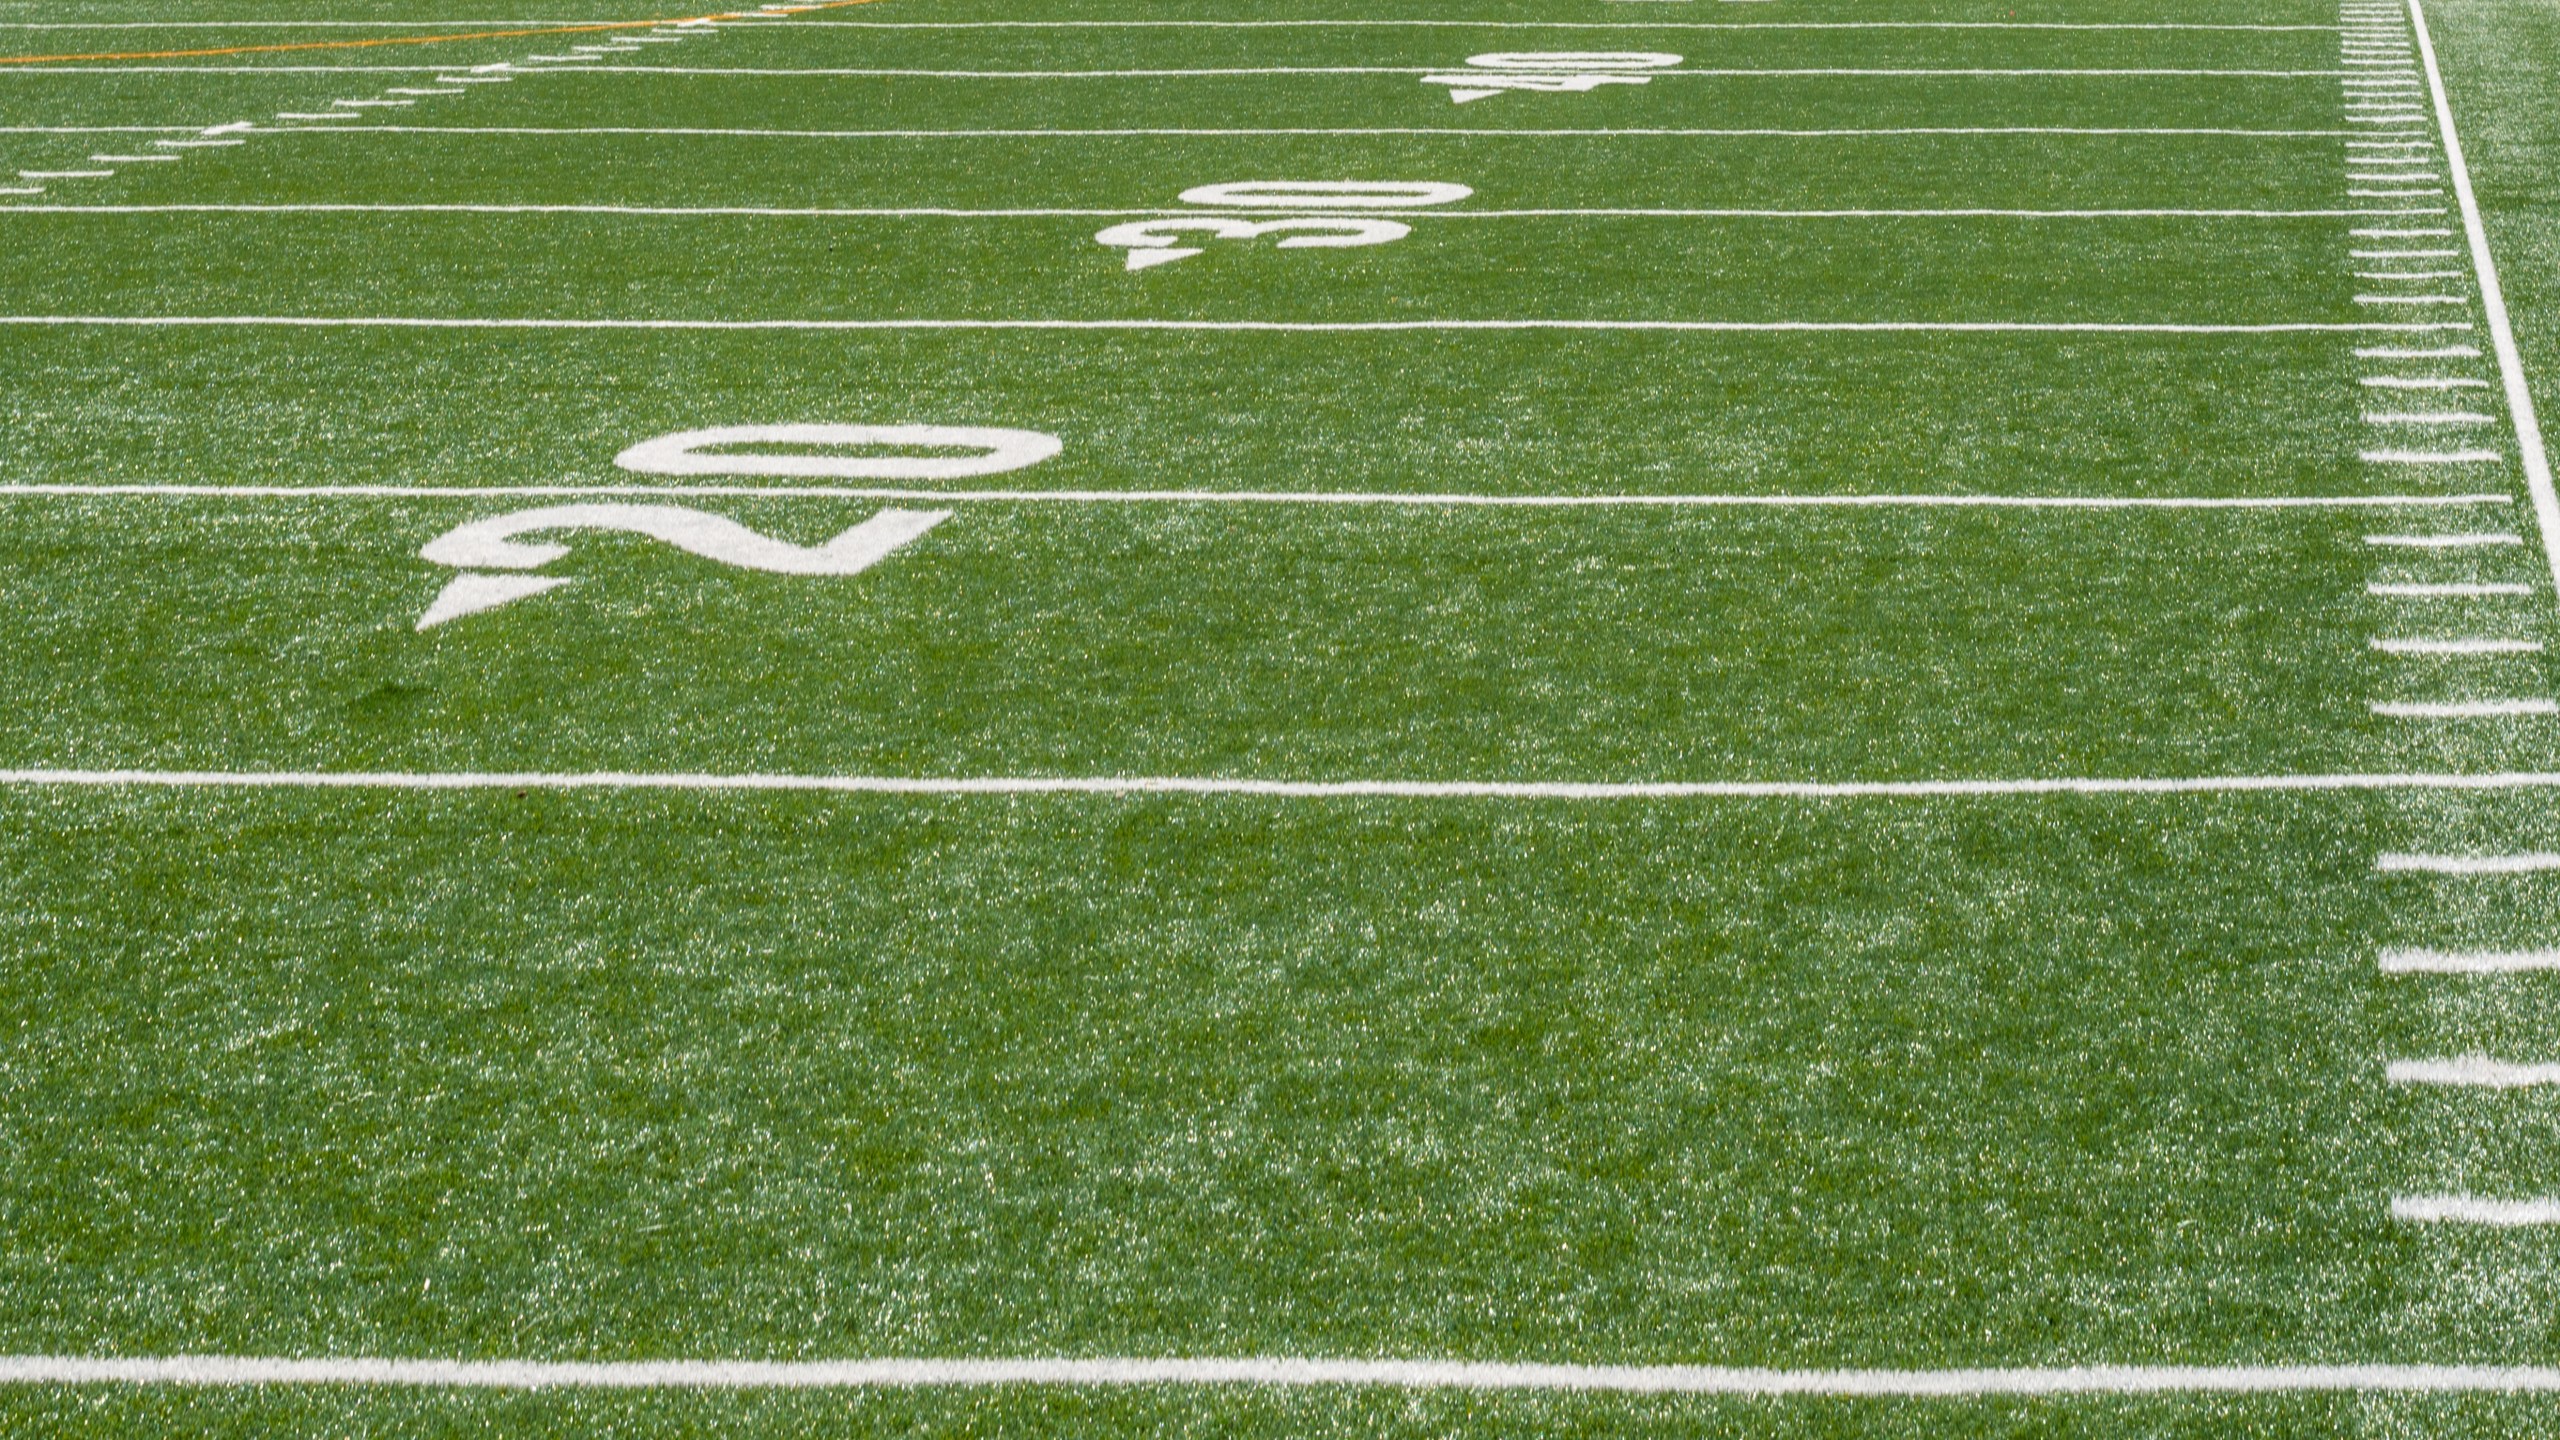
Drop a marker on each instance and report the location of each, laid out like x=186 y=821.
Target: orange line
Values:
x=407 y=39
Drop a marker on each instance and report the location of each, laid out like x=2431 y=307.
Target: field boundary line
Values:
x=1282 y=327
x=953 y=212
x=1205 y=25
x=1201 y=785
x=1418 y=499
x=1266 y=132
x=2493 y=300
x=1271 y=1371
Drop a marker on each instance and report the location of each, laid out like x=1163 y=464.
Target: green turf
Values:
x=1991 y=1081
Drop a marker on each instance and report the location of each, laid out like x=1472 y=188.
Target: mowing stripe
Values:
x=1126 y=785
x=1422 y=500
x=1277 y=1372
x=2471 y=1070
x=2502 y=339
x=1284 y=327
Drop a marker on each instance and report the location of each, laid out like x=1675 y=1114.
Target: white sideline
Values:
x=1491 y=133
x=1420 y=499
x=1226 y=73
x=1275 y=1371
x=1198 y=25
x=954 y=212
x=2502 y=339
x=1127 y=785
x=1283 y=327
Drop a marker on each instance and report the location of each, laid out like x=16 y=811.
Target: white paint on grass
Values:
x=492 y=544
x=2463 y=709
x=2431 y=457
x=2526 y=863
x=2457 y=590
x=1325 y=194
x=1270 y=327
x=2458 y=647
x=692 y=452
x=1425 y=499
x=2468 y=962
x=2520 y=408
x=1282 y=1372
x=1135 y=785
x=1159 y=242
x=932 y=212
x=2423 y=382
x=2469 y=541
x=1509 y=132
x=2472 y=1070
x=2474 y=1210
x=2430 y=417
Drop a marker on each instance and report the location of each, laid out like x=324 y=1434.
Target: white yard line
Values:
x=1229 y=72
x=2471 y=1070
x=1418 y=499
x=2474 y=1210
x=1206 y=25
x=1281 y=327
x=2458 y=647
x=1341 y=789
x=2527 y=863
x=1266 y=132
x=2528 y=426
x=943 y=212
x=1267 y=1372
x=2463 y=709
x=2468 y=962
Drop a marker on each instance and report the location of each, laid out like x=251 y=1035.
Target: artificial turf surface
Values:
x=1883 y=1082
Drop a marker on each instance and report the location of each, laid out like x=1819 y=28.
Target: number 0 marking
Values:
x=1325 y=194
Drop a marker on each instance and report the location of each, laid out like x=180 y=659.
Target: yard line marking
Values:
x=927 y=212
x=2530 y=863
x=2422 y=382
x=1415 y=499
x=99 y=130
x=138 y=159
x=1204 y=24
x=2471 y=1070
x=2493 y=299
x=196 y=144
x=21 y=190
x=1295 y=1372
x=2463 y=709
x=315 y=115
x=2413 y=299
x=42 y=778
x=2443 y=542
x=66 y=174
x=2458 y=647
x=2398 y=254
x=2412 y=274
x=2457 y=590
x=2474 y=1210
x=2467 y=962
x=546 y=29
x=2429 y=457
x=1239 y=71
x=1171 y=133
x=1274 y=327
x=2431 y=417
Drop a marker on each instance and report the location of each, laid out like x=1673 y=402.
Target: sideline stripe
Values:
x=1289 y=327
x=25 y=67
x=1418 y=499
x=43 y=778
x=2474 y=1210
x=2532 y=862
x=2467 y=962
x=572 y=29
x=2502 y=339
x=2472 y=1070
x=936 y=212
x=1169 y=133
x=1208 y=25
x=1284 y=1371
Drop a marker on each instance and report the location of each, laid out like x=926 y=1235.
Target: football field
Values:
x=1776 y=718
